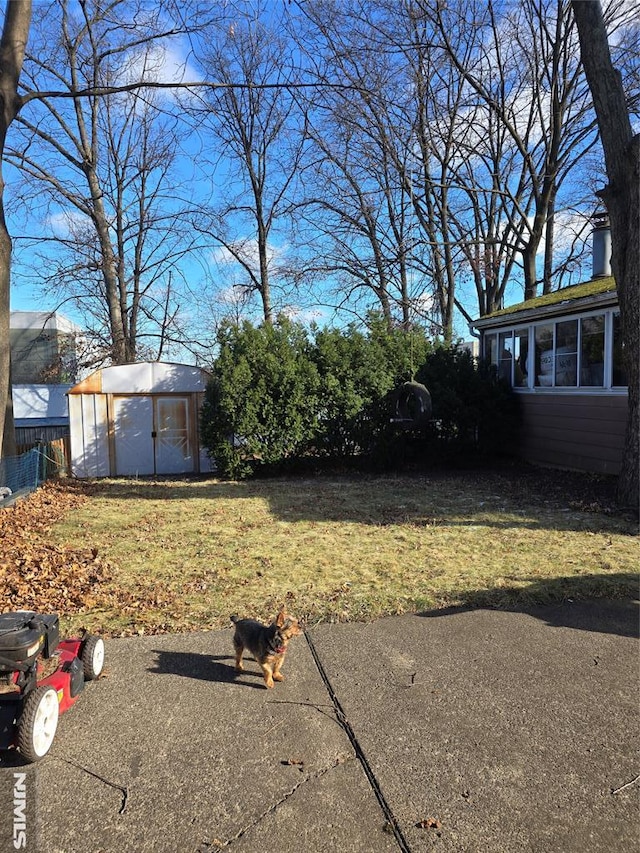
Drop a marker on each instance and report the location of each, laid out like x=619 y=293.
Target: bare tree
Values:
x=257 y=135
x=106 y=161
x=13 y=44
x=354 y=211
x=523 y=65
x=105 y=49
x=366 y=196
x=474 y=116
x=622 y=198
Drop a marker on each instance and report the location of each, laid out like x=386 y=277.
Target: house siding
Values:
x=583 y=432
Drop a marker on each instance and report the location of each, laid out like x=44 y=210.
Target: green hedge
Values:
x=475 y=414
x=261 y=403
x=282 y=397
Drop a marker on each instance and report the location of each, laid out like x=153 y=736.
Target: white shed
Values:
x=137 y=420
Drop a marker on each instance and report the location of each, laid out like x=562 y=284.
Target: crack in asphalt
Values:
x=217 y=844
x=330 y=713
x=123 y=790
x=392 y=824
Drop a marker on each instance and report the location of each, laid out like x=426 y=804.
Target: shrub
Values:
x=474 y=412
x=278 y=398
x=260 y=405
x=357 y=373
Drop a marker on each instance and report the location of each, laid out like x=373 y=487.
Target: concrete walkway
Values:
x=453 y=731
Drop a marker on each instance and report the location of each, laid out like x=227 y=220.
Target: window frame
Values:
x=498 y=335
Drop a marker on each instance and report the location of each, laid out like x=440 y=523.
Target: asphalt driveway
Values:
x=459 y=730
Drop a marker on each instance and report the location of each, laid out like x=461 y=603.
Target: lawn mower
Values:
x=41 y=676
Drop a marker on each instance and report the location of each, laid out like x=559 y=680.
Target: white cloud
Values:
x=247 y=251
x=158 y=63
x=66 y=224
x=235 y=294
x=304 y=315
x=570 y=227
x=221 y=256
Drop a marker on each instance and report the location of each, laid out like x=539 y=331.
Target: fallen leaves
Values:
x=65 y=579
x=36 y=575
x=429 y=823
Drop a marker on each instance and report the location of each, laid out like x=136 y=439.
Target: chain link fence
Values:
x=24 y=473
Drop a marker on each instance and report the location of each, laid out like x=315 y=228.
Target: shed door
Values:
x=133 y=428
x=174 y=451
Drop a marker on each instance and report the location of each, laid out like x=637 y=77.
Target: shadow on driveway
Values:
x=203 y=667
x=602 y=616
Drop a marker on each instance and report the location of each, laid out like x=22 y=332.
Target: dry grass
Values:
x=187 y=554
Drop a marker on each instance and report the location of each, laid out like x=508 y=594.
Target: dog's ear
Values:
x=281 y=617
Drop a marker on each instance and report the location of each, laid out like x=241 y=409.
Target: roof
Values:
x=42 y=320
x=146 y=377
x=598 y=292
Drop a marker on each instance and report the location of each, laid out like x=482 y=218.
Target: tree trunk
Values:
x=529 y=268
x=7 y=431
x=112 y=287
x=549 y=239
x=622 y=198
x=265 y=290
x=15 y=31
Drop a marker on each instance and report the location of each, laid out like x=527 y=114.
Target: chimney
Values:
x=601 y=246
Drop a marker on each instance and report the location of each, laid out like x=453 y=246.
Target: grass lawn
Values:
x=184 y=555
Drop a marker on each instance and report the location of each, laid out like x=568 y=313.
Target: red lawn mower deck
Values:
x=40 y=678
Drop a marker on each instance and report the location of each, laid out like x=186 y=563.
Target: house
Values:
x=45 y=348
x=138 y=420
x=562 y=354
x=40 y=412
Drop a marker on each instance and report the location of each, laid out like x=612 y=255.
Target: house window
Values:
x=619 y=373
x=505 y=362
x=509 y=351
x=544 y=355
x=592 y=351
x=581 y=352
x=566 y=353
x=491 y=349
x=521 y=364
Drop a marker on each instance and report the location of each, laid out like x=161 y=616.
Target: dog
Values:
x=267 y=643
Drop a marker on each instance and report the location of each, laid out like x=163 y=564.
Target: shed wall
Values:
x=100 y=405
x=89 y=430
x=583 y=432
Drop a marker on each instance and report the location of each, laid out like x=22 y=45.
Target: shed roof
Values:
x=597 y=292
x=146 y=377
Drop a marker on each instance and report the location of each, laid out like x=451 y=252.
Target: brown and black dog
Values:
x=267 y=643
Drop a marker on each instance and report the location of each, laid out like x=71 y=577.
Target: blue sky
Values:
x=212 y=276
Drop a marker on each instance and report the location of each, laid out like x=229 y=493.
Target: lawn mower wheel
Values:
x=92 y=657
x=38 y=723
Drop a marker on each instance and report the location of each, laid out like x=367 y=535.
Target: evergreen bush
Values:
x=260 y=406
x=475 y=414
x=281 y=398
